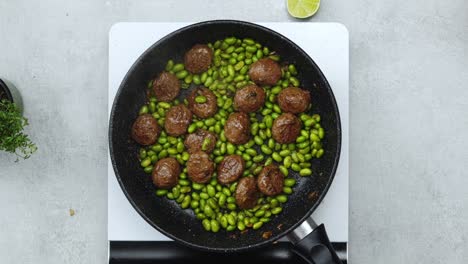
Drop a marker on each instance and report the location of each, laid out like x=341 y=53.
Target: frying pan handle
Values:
x=312 y=243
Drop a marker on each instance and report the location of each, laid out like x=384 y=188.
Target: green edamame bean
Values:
x=300 y=139
x=212 y=203
x=178 y=67
x=204 y=196
x=276 y=210
x=230 y=148
x=226 y=192
x=319 y=153
x=300 y=157
x=287 y=162
x=259 y=213
x=268 y=121
x=210 y=190
x=309 y=122
x=257 y=225
x=222 y=199
x=197 y=186
x=180 y=199
x=284 y=170
x=295 y=167
x=305 y=172
x=196 y=79
x=251 y=49
x=265 y=149
x=185 y=189
x=294 y=81
x=206 y=224
x=258 y=140
x=231 y=219
x=259 y=54
x=208 y=211
x=142 y=153
x=161 y=192
x=268 y=161
x=292 y=69
x=277 y=157
x=285 y=153
x=194 y=204
x=240 y=226
x=169 y=65
x=314 y=137
x=321 y=133
x=289 y=182
x=223 y=221
x=182 y=74
x=287 y=190
x=282 y=198
x=200 y=216
x=231 y=206
x=274 y=202
x=200 y=99
x=192 y=128
x=230 y=40
x=186 y=202
x=143 y=110
x=146 y=162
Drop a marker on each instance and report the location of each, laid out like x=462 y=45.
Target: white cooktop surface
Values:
x=326 y=43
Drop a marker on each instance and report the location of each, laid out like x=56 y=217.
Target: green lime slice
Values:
x=303 y=8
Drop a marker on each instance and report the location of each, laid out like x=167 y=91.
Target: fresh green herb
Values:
x=12 y=137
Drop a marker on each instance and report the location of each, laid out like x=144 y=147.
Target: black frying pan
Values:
x=181 y=225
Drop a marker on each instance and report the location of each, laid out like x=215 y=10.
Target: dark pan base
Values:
x=165 y=215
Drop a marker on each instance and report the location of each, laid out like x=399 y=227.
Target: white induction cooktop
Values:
x=326 y=43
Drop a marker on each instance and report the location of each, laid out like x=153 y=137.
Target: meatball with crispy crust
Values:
x=198 y=59
x=237 y=128
x=166 y=87
x=249 y=99
x=230 y=169
x=294 y=100
x=166 y=173
x=286 y=128
x=270 y=180
x=246 y=193
x=200 y=168
x=145 y=130
x=206 y=109
x=178 y=119
x=265 y=72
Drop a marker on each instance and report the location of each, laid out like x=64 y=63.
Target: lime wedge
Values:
x=303 y=8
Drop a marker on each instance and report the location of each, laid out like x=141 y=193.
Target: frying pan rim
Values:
x=333 y=169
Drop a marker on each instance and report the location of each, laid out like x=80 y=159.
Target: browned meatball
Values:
x=166 y=87
x=200 y=167
x=294 y=100
x=249 y=99
x=203 y=110
x=194 y=142
x=286 y=128
x=178 y=118
x=237 y=128
x=145 y=130
x=270 y=181
x=166 y=173
x=265 y=72
x=198 y=58
x=246 y=193
x=230 y=169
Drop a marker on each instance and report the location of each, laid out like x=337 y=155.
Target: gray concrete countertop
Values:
x=409 y=97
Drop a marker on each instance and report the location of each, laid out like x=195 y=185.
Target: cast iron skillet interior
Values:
x=165 y=215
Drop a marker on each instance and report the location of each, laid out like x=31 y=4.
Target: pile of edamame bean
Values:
x=213 y=203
